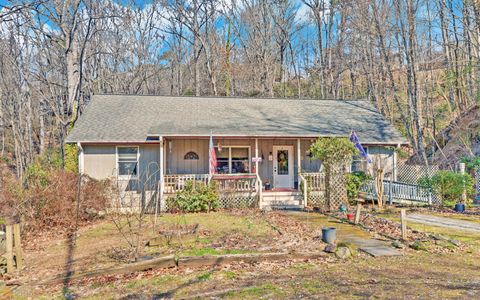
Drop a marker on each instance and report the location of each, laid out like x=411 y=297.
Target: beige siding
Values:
x=177 y=148
x=99 y=161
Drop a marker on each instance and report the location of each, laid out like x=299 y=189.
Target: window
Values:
x=233 y=159
x=359 y=163
x=127 y=161
x=191 y=156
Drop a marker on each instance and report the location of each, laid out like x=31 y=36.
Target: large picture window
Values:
x=233 y=159
x=127 y=161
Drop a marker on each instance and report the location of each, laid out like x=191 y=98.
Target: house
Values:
x=152 y=145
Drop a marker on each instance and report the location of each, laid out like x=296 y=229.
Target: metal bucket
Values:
x=329 y=235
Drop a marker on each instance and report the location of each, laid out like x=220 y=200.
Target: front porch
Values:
x=251 y=172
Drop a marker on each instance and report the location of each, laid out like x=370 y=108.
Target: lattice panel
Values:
x=412 y=173
x=238 y=200
x=316 y=199
x=336 y=188
x=477 y=180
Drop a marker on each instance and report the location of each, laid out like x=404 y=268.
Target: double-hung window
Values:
x=233 y=159
x=127 y=162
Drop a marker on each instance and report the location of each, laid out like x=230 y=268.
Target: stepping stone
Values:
x=380 y=251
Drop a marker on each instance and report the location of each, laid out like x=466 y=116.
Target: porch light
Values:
x=219 y=147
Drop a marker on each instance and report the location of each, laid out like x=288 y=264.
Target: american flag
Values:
x=212 y=158
x=354 y=139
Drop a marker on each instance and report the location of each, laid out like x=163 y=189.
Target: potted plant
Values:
x=267 y=184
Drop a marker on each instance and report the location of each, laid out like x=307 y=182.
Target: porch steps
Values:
x=282 y=199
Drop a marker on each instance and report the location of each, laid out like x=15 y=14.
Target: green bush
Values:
x=333 y=150
x=71 y=158
x=355 y=181
x=450 y=185
x=196 y=196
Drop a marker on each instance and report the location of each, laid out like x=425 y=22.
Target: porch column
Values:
x=299 y=162
x=256 y=156
x=162 y=172
x=259 y=181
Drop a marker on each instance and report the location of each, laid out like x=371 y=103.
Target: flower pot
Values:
x=459 y=207
x=350 y=217
x=329 y=235
x=268 y=186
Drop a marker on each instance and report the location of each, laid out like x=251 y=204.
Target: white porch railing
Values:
x=226 y=183
x=236 y=183
x=399 y=191
x=176 y=183
x=311 y=182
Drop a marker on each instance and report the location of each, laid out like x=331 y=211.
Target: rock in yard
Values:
x=417 y=245
x=438 y=237
x=398 y=245
x=343 y=253
x=444 y=244
x=330 y=248
x=455 y=242
x=266 y=209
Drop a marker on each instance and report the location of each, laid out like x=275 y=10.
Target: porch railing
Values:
x=397 y=191
x=315 y=181
x=236 y=183
x=226 y=183
x=311 y=182
x=176 y=183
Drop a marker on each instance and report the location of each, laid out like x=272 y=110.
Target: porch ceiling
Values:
x=134 y=118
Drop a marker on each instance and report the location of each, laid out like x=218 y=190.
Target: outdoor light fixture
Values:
x=170 y=146
x=219 y=147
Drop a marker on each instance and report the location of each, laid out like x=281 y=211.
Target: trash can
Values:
x=329 y=235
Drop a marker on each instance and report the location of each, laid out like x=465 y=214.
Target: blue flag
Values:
x=354 y=139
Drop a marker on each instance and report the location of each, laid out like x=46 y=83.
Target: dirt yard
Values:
x=416 y=274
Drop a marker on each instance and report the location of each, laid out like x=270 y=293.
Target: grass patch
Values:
x=266 y=290
x=205 y=276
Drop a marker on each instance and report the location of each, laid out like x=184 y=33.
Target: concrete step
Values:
x=281 y=202
x=286 y=207
x=281 y=193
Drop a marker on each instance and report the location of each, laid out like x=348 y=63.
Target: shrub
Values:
x=47 y=198
x=355 y=181
x=196 y=196
x=449 y=185
x=333 y=150
x=71 y=158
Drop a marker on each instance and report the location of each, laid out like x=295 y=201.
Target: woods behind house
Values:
x=416 y=60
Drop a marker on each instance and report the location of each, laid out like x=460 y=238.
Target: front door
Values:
x=283 y=166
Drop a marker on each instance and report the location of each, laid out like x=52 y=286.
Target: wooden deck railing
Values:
x=315 y=181
x=398 y=191
x=226 y=183
x=236 y=183
x=176 y=183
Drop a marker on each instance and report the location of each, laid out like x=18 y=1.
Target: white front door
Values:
x=283 y=167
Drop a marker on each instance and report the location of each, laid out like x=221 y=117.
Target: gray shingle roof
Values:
x=126 y=118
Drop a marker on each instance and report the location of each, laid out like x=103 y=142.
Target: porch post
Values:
x=299 y=162
x=162 y=172
x=256 y=156
x=259 y=182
